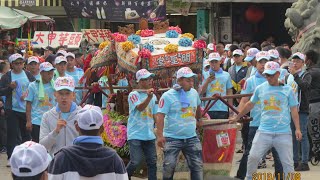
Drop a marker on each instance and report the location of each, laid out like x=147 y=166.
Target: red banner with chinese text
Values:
x=180 y=58
x=56 y=38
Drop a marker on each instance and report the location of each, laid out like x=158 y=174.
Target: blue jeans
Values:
x=137 y=149
x=262 y=142
x=305 y=146
x=241 y=173
x=192 y=151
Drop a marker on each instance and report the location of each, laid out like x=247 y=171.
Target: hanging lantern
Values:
x=254 y=14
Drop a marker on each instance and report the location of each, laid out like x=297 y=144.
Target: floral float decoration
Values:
x=127 y=46
x=185 y=42
x=171 y=48
x=138 y=32
x=144 y=53
x=146 y=33
x=120 y=37
x=175 y=28
x=188 y=35
x=199 y=44
x=135 y=39
x=172 y=34
x=103 y=45
x=149 y=46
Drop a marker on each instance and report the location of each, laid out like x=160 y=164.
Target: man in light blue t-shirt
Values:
x=277 y=102
x=13 y=85
x=219 y=82
x=77 y=74
x=249 y=87
x=40 y=99
x=141 y=138
x=178 y=112
x=33 y=66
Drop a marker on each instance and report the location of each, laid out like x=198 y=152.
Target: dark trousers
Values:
x=3 y=131
x=241 y=173
x=218 y=114
x=35 y=133
x=244 y=135
x=16 y=130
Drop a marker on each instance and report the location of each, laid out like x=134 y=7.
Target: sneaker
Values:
x=3 y=150
x=302 y=167
x=262 y=165
x=8 y=163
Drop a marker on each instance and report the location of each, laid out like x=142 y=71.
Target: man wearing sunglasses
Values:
x=14 y=86
x=278 y=106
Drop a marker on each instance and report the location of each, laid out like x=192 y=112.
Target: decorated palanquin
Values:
x=162 y=54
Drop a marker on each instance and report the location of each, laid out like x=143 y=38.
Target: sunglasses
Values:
x=268 y=75
x=236 y=55
x=146 y=79
x=18 y=63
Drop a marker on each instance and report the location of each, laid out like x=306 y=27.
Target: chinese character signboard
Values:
x=116 y=10
x=96 y=36
x=173 y=59
x=56 y=38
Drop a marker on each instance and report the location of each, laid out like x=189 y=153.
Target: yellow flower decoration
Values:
x=103 y=45
x=138 y=32
x=171 y=48
x=127 y=46
x=188 y=35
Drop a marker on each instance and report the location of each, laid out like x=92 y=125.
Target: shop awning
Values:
x=251 y=1
x=16 y=3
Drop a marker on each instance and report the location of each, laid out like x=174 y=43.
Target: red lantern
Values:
x=254 y=14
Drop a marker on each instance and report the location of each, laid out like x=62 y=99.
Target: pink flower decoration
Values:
x=176 y=28
x=117 y=133
x=199 y=44
x=146 y=33
x=144 y=53
x=120 y=37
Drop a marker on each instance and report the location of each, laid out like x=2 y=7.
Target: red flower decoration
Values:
x=199 y=44
x=146 y=33
x=144 y=53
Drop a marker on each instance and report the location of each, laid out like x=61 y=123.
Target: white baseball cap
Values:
x=90 y=117
x=29 y=159
x=15 y=57
x=271 y=67
x=63 y=52
x=185 y=72
x=70 y=54
x=210 y=46
x=33 y=59
x=251 y=54
x=227 y=47
x=214 y=56
x=206 y=63
x=237 y=52
x=274 y=54
x=262 y=55
x=46 y=66
x=298 y=55
x=64 y=83
x=60 y=59
x=143 y=74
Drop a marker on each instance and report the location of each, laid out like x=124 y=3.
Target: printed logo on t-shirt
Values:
x=187 y=112
x=217 y=87
x=161 y=103
x=46 y=102
x=134 y=98
x=272 y=104
x=146 y=113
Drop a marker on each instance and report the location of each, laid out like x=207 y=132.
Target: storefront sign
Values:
x=56 y=38
x=116 y=10
x=172 y=59
x=97 y=36
x=27 y=2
